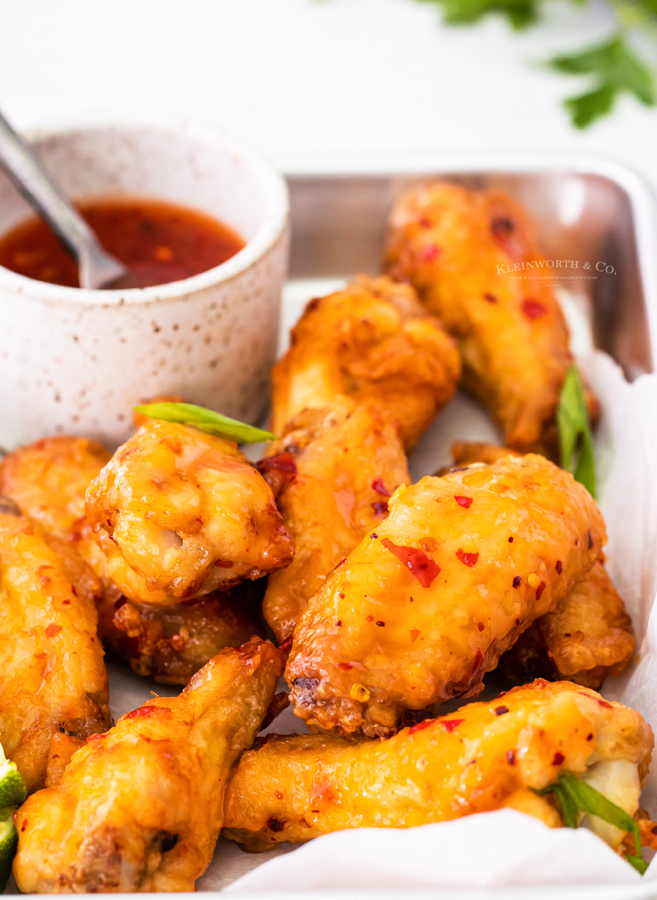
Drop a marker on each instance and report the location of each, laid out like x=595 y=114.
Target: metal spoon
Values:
x=97 y=269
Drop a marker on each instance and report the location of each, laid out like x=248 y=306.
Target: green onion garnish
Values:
x=206 y=420
x=575 y=438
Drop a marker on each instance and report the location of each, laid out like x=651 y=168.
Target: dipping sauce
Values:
x=159 y=242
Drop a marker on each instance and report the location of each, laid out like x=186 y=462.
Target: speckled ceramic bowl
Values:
x=75 y=361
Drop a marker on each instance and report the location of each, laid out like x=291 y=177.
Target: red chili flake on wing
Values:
x=380 y=508
x=511 y=757
x=380 y=624
x=286 y=646
x=490 y=298
x=451 y=724
x=465 y=502
x=52 y=630
x=558 y=759
x=380 y=488
x=468 y=559
x=533 y=309
x=418 y=563
x=516 y=581
x=338 y=624
x=559 y=567
x=480 y=626
x=425 y=222
x=281 y=462
x=430 y=253
x=500 y=710
x=421 y=726
x=145 y=711
x=539 y=590
x=345 y=666
x=604 y=703
x=590 y=539
x=415 y=633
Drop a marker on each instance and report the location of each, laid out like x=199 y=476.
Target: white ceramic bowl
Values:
x=75 y=361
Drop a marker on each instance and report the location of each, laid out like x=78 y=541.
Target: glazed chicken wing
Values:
x=428 y=602
x=372 y=342
x=339 y=468
x=180 y=513
x=587 y=636
x=48 y=480
x=482 y=757
x=52 y=676
x=471 y=256
x=140 y=808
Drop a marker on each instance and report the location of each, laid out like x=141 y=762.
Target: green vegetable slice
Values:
x=206 y=420
x=575 y=439
x=8 y=842
x=576 y=796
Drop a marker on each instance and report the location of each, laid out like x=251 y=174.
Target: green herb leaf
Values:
x=520 y=13
x=575 y=439
x=206 y=420
x=576 y=796
x=616 y=70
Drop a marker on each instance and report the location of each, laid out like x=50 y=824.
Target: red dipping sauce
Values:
x=159 y=242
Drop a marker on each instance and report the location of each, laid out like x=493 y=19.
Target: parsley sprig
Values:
x=576 y=796
x=611 y=68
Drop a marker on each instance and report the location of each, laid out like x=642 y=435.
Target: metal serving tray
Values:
x=586 y=210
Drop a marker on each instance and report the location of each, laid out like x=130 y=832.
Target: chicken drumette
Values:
x=140 y=808
x=429 y=601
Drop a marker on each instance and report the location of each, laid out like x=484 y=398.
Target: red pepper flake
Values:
x=501 y=710
x=338 y=624
x=380 y=508
x=380 y=623
x=490 y=298
x=53 y=630
x=425 y=222
x=430 y=253
x=480 y=626
x=24 y=825
x=66 y=602
x=374 y=536
x=510 y=540
x=345 y=666
x=223 y=563
x=420 y=565
x=465 y=502
x=286 y=646
x=533 y=309
x=539 y=590
x=653 y=829
x=341 y=596
x=516 y=581
x=281 y=462
x=380 y=488
x=369 y=619
x=559 y=567
x=415 y=633
x=558 y=759
x=451 y=724
x=275 y=825
x=144 y=711
x=511 y=757
x=278 y=795
x=74 y=591
x=468 y=559
x=420 y=726
x=590 y=539
x=589 y=737
x=603 y=703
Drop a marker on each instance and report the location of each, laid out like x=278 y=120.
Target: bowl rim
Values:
x=275 y=217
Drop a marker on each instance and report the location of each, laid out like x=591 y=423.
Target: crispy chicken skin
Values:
x=482 y=757
x=373 y=342
x=140 y=808
x=588 y=635
x=48 y=480
x=427 y=603
x=464 y=252
x=52 y=675
x=339 y=465
x=180 y=513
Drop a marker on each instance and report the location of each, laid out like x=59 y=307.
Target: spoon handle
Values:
x=96 y=267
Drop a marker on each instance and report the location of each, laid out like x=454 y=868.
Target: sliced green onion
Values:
x=576 y=443
x=206 y=420
x=576 y=796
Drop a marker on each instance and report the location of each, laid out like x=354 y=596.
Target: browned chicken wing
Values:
x=471 y=256
x=140 y=808
x=428 y=602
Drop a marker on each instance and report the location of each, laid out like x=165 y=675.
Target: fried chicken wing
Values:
x=587 y=636
x=471 y=256
x=340 y=467
x=140 y=808
x=482 y=757
x=179 y=513
x=48 y=480
x=427 y=603
x=52 y=675
x=373 y=342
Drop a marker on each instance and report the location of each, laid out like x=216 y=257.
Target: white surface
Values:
x=297 y=76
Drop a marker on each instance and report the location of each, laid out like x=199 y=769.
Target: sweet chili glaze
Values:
x=159 y=242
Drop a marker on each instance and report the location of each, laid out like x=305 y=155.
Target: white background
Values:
x=312 y=76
